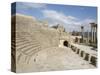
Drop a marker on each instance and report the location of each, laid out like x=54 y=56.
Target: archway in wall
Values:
x=65 y=43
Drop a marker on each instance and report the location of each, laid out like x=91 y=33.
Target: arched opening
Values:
x=65 y=43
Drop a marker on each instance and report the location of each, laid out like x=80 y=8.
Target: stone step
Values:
x=27 y=46
x=17 y=41
x=12 y=47
x=28 y=50
x=17 y=38
x=31 y=50
x=22 y=40
x=23 y=43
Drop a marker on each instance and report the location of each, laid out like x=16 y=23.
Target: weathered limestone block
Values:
x=86 y=57
x=93 y=60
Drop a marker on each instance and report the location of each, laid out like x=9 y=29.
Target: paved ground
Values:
x=55 y=58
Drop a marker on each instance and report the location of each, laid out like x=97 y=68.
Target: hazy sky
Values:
x=71 y=17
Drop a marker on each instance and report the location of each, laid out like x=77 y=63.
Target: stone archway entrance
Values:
x=65 y=43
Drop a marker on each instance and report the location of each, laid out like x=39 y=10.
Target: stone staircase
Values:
x=25 y=47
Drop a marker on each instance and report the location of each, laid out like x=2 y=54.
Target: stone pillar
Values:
x=78 y=40
x=80 y=53
x=82 y=29
x=95 y=33
x=84 y=55
x=88 y=37
x=89 y=59
x=92 y=32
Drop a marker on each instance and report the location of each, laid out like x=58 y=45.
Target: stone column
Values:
x=88 y=37
x=89 y=58
x=82 y=29
x=95 y=33
x=78 y=40
x=92 y=32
